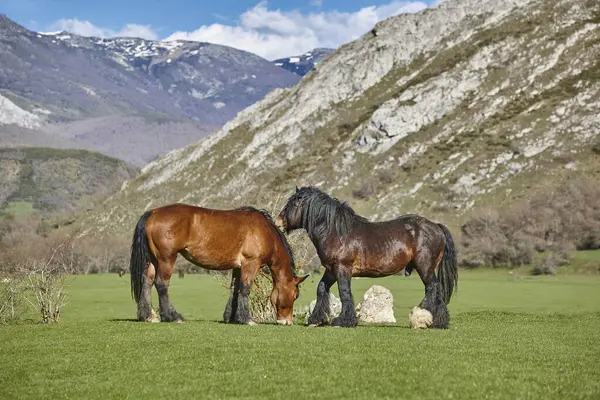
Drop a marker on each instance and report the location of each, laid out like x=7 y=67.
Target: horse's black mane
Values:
x=321 y=212
x=286 y=245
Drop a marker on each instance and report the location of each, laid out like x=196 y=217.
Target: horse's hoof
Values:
x=284 y=322
x=344 y=323
x=252 y=323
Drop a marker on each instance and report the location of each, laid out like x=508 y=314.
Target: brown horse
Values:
x=244 y=239
x=349 y=245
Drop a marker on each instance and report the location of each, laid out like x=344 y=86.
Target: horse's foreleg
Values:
x=347 y=317
x=321 y=313
x=163 y=279
x=145 y=311
x=249 y=271
x=232 y=303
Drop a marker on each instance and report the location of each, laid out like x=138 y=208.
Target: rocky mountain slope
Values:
x=302 y=65
x=52 y=180
x=471 y=103
x=63 y=78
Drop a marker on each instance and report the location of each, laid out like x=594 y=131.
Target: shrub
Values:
x=556 y=220
x=364 y=191
x=12 y=300
x=386 y=176
x=38 y=281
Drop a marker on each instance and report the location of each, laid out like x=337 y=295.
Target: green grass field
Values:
x=510 y=337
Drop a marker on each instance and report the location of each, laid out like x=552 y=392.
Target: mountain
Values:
x=53 y=82
x=302 y=65
x=17 y=136
x=466 y=105
x=55 y=180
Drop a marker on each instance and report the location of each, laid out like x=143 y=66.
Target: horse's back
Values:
x=397 y=239
x=187 y=221
x=211 y=238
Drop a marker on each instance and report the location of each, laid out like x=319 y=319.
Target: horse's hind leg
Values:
x=347 y=317
x=232 y=303
x=321 y=313
x=163 y=279
x=433 y=300
x=145 y=311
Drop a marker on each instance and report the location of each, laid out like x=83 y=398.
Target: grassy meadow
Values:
x=511 y=336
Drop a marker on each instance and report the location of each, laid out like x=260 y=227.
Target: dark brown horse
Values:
x=349 y=245
x=243 y=239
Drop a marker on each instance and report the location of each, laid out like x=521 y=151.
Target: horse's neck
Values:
x=282 y=266
x=282 y=270
x=319 y=243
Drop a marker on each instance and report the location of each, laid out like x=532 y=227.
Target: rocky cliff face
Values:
x=62 y=78
x=471 y=103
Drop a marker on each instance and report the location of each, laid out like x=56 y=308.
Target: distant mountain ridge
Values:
x=303 y=64
x=471 y=104
x=62 y=78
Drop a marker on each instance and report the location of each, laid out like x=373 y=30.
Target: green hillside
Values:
x=56 y=180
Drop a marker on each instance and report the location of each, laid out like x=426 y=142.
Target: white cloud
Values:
x=270 y=33
x=274 y=33
x=86 y=28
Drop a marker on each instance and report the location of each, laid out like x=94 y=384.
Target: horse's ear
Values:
x=297 y=190
x=300 y=280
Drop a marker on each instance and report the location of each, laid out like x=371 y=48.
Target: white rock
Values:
x=376 y=307
x=420 y=318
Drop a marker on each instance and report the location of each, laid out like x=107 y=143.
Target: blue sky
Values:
x=271 y=28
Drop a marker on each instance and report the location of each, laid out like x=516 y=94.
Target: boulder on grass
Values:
x=376 y=307
x=420 y=318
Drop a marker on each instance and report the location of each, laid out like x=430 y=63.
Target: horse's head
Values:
x=290 y=218
x=283 y=296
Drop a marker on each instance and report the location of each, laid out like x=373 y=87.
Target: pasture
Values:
x=510 y=337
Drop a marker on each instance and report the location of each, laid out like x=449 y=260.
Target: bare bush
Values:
x=364 y=191
x=490 y=241
x=39 y=280
x=97 y=256
x=386 y=176
x=556 y=220
x=546 y=266
x=12 y=300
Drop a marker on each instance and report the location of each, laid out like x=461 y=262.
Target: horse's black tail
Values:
x=140 y=256
x=448 y=270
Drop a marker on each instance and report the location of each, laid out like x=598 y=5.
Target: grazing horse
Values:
x=244 y=239
x=349 y=245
